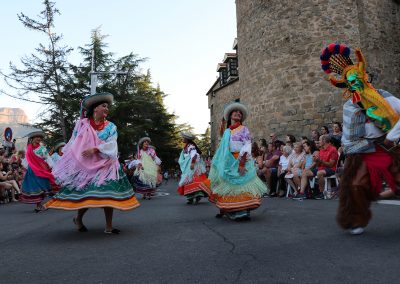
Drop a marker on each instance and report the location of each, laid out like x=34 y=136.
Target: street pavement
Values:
x=167 y=241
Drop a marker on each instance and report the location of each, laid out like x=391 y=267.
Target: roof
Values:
x=229 y=55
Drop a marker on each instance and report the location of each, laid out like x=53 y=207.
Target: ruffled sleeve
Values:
x=192 y=151
x=152 y=153
x=109 y=149
x=44 y=154
x=246 y=139
x=394 y=133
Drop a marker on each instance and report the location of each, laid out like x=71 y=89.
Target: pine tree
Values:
x=205 y=142
x=44 y=73
x=138 y=109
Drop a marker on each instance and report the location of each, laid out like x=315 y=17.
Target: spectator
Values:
x=307 y=169
x=166 y=176
x=290 y=140
x=340 y=163
x=262 y=152
x=324 y=130
x=336 y=135
x=314 y=135
x=262 y=144
x=304 y=139
x=296 y=161
x=271 y=163
x=326 y=162
x=8 y=181
x=274 y=139
x=282 y=169
x=255 y=150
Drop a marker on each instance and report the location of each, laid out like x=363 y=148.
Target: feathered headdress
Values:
x=336 y=58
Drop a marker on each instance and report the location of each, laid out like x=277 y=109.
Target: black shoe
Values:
x=319 y=196
x=113 y=231
x=219 y=215
x=300 y=196
x=197 y=200
x=190 y=201
x=82 y=228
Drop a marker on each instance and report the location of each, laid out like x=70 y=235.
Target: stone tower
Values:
x=279 y=44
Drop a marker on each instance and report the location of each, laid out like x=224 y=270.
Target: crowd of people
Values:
x=12 y=170
x=291 y=167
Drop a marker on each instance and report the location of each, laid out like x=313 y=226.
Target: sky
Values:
x=183 y=41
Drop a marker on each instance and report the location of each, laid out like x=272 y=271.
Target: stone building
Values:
x=278 y=48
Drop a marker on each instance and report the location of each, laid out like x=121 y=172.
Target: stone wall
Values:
x=218 y=97
x=279 y=43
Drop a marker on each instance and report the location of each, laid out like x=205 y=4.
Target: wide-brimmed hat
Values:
x=236 y=106
x=141 y=140
x=91 y=100
x=188 y=135
x=36 y=134
x=58 y=145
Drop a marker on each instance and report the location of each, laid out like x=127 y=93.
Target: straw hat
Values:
x=91 y=100
x=141 y=140
x=236 y=106
x=36 y=134
x=188 y=135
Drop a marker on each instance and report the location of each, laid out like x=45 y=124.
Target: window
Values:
x=223 y=76
x=233 y=67
x=237 y=100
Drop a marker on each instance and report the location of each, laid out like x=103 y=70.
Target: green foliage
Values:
x=44 y=74
x=205 y=142
x=138 y=109
x=60 y=86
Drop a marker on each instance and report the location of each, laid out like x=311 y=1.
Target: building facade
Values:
x=278 y=48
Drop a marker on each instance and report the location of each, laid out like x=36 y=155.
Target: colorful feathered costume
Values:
x=369 y=117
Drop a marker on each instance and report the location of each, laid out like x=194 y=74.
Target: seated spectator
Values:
x=271 y=166
x=8 y=182
x=296 y=161
x=304 y=139
x=282 y=169
x=340 y=163
x=326 y=162
x=274 y=139
x=262 y=143
x=314 y=135
x=260 y=161
x=307 y=169
x=324 y=130
x=290 y=140
x=255 y=150
x=336 y=135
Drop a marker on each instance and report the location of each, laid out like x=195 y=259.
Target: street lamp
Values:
x=93 y=75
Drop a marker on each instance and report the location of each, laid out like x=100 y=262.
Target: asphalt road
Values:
x=167 y=241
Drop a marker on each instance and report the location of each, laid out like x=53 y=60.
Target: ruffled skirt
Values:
x=117 y=194
x=199 y=187
x=34 y=188
x=236 y=200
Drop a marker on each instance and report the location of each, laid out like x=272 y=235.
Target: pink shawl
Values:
x=77 y=171
x=39 y=167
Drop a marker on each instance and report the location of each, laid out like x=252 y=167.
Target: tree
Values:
x=138 y=109
x=205 y=142
x=44 y=72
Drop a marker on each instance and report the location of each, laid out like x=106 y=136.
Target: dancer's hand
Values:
x=388 y=143
x=242 y=170
x=192 y=167
x=89 y=152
